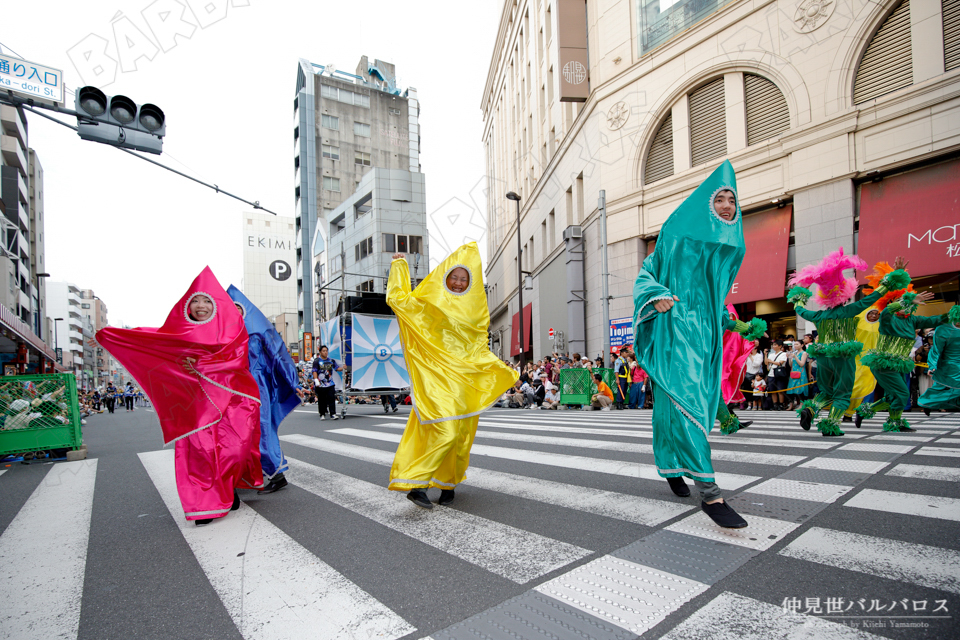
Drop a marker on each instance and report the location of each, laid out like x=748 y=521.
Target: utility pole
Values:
x=605 y=274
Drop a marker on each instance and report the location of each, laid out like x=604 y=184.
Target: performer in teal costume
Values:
x=890 y=360
x=836 y=348
x=679 y=320
x=944 y=363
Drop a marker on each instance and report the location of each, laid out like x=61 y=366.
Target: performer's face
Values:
x=201 y=308
x=873 y=315
x=725 y=204
x=458 y=280
x=323 y=353
x=239 y=308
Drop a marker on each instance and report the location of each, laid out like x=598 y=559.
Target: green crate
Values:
x=577 y=385
x=38 y=413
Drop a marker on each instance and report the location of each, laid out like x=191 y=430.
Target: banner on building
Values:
x=572 y=51
x=377 y=354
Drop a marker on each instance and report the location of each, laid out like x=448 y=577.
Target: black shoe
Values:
x=385 y=409
x=907 y=430
x=858 y=420
x=394 y=409
x=722 y=514
x=745 y=423
x=446 y=497
x=847 y=419
x=278 y=482
x=926 y=412
x=419 y=498
x=679 y=487
x=200 y=523
x=806 y=418
x=832 y=435
x=236 y=501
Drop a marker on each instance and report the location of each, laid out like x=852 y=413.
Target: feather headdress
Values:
x=880 y=271
x=833 y=288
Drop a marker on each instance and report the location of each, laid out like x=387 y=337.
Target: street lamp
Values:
x=56 y=333
x=513 y=196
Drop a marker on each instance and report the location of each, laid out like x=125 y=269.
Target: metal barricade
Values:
x=577 y=385
x=39 y=413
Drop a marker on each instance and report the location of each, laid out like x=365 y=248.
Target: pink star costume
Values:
x=211 y=413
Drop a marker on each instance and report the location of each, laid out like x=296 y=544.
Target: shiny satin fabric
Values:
x=211 y=413
x=453 y=374
x=735 y=352
x=435 y=455
x=864 y=382
x=696 y=259
x=276 y=376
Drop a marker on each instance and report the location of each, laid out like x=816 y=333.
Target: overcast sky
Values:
x=136 y=234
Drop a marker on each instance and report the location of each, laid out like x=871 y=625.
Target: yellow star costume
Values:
x=453 y=374
x=867 y=333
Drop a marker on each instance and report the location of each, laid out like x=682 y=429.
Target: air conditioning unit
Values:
x=573 y=232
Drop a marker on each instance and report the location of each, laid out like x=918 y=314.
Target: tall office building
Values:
x=344 y=125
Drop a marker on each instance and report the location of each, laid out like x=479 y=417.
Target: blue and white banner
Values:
x=377 y=354
x=329 y=335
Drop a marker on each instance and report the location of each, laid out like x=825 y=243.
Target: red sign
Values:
x=914 y=215
x=550 y=333
x=762 y=275
x=515 y=331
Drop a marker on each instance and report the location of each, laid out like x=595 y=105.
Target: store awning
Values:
x=515 y=331
x=763 y=274
x=914 y=215
x=17 y=330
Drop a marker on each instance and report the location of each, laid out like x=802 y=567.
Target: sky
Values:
x=136 y=234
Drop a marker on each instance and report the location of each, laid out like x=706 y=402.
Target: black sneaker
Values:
x=722 y=514
x=847 y=419
x=806 y=418
x=200 y=523
x=236 y=501
x=446 y=497
x=394 y=409
x=278 y=482
x=419 y=498
x=858 y=420
x=679 y=487
x=926 y=412
x=745 y=423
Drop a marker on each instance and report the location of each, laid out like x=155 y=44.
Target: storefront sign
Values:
x=762 y=275
x=915 y=215
x=515 y=331
x=572 y=50
x=621 y=333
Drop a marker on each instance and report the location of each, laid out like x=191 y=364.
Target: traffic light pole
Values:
x=21 y=103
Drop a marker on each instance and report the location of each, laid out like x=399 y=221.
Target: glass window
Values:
x=332 y=152
x=361 y=158
x=394 y=112
x=416 y=244
x=389 y=243
x=331 y=184
x=361 y=129
x=356 y=253
x=402 y=244
x=661 y=20
x=329 y=92
x=329 y=122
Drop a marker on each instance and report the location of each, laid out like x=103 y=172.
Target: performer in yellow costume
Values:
x=453 y=374
x=868 y=330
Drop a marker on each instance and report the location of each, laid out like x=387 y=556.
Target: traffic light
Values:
x=118 y=121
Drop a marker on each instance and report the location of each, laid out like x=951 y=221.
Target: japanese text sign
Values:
x=31 y=79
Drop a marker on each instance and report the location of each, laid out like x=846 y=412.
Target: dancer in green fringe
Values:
x=835 y=349
x=944 y=363
x=890 y=360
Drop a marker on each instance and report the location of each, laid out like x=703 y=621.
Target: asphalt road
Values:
x=561 y=530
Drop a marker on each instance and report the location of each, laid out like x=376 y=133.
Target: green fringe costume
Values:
x=836 y=350
x=890 y=360
x=944 y=362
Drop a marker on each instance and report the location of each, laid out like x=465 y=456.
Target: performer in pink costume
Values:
x=736 y=349
x=195 y=371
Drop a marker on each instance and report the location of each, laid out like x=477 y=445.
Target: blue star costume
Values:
x=276 y=375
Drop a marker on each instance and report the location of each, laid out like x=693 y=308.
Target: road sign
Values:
x=31 y=79
x=550 y=333
x=59 y=351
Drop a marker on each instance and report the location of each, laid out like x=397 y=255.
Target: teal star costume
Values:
x=890 y=360
x=836 y=349
x=944 y=361
x=697 y=257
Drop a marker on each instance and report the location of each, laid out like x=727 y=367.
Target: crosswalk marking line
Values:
x=731 y=616
x=599 y=465
x=938 y=451
x=949 y=440
x=892 y=437
x=43 y=555
x=611 y=504
x=760 y=533
x=925 y=472
x=776 y=459
x=884 y=448
x=2 y=471
x=276 y=589
x=892 y=559
x=845 y=464
x=515 y=554
x=800 y=490
x=907 y=503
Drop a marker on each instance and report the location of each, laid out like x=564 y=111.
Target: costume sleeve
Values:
x=399 y=295
x=854 y=309
x=931 y=322
x=806 y=314
x=729 y=322
x=939 y=340
x=646 y=290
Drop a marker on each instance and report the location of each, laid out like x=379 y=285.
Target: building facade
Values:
x=842 y=121
x=344 y=124
x=64 y=305
x=97 y=360
x=15 y=193
x=269 y=256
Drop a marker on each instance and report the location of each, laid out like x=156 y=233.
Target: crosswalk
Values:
x=563 y=529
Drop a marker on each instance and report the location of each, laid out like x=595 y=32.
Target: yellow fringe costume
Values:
x=864 y=383
x=453 y=375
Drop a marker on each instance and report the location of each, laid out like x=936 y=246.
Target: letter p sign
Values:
x=280 y=270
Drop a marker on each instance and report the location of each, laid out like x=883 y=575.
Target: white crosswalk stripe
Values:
x=907 y=503
x=925 y=472
x=939 y=451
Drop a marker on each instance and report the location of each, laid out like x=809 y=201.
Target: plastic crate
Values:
x=39 y=413
x=577 y=385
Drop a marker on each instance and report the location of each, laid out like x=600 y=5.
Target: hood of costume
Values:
x=453 y=374
x=833 y=288
x=696 y=259
x=187 y=402
x=271 y=366
x=736 y=350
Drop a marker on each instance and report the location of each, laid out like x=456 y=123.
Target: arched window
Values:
x=708 y=123
x=660 y=159
x=951 y=34
x=887 y=64
x=767 y=112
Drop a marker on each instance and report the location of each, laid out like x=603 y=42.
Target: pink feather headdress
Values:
x=833 y=288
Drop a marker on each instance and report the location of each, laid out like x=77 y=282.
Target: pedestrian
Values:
x=386 y=398
x=128 y=394
x=638 y=392
x=603 y=398
x=754 y=367
x=324 y=384
x=622 y=379
x=453 y=374
x=679 y=322
x=778 y=372
x=195 y=369
x=796 y=388
x=110 y=397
